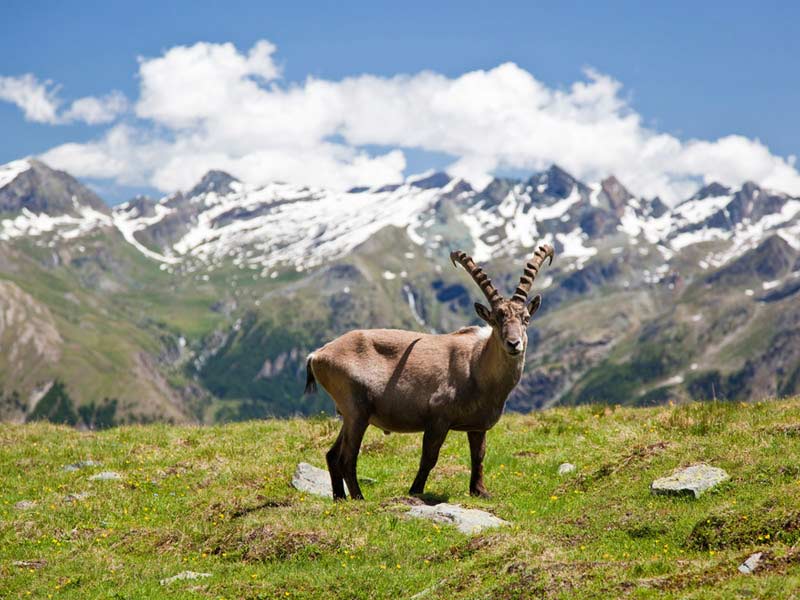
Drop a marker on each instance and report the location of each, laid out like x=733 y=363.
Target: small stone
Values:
x=467 y=520
x=36 y=563
x=78 y=497
x=82 y=464
x=182 y=576
x=565 y=468
x=25 y=505
x=693 y=480
x=106 y=476
x=751 y=564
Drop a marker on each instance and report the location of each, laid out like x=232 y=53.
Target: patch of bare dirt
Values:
x=268 y=542
x=526 y=453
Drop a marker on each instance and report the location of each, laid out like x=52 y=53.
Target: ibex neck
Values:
x=496 y=368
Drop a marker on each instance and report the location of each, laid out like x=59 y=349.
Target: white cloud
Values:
x=212 y=106
x=37 y=100
x=40 y=103
x=95 y=111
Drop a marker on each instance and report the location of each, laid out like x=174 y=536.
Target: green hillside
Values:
x=217 y=500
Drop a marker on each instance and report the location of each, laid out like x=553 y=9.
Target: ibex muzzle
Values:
x=405 y=381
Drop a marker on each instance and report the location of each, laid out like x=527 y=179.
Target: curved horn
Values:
x=531 y=270
x=483 y=281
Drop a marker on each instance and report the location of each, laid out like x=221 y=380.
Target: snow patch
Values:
x=412 y=304
x=10 y=171
x=573 y=246
x=29 y=224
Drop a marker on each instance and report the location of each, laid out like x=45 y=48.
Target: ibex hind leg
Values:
x=334 y=458
x=353 y=432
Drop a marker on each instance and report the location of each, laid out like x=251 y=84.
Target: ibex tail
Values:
x=311 y=382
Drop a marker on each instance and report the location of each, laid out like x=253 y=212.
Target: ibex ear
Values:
x=534 y=304
x=483 y=312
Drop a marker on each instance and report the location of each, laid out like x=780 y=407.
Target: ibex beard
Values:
x=406 y=381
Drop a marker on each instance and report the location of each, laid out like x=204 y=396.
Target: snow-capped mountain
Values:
x=686 y=289
x=287 y=226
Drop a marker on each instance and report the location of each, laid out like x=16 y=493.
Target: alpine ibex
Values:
x=405 y=381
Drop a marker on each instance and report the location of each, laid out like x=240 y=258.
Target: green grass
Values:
x=218 y=500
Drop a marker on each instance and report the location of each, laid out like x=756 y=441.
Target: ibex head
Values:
x=508 y=318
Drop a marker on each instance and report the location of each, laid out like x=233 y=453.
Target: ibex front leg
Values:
x=477 y=450
x=432 y=441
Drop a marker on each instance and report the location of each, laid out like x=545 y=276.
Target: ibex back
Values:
x=405 y=381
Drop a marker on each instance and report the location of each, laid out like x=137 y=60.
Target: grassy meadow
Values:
x=218 y=500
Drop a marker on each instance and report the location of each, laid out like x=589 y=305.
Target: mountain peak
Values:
x=213 y=181
x=711 y=190
x=750 y=188
x=557 y=182
x=427 y=181
x=31 y=184
x=618 y=195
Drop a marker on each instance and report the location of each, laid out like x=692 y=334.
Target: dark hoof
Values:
x=480 y=493
x=429 y=498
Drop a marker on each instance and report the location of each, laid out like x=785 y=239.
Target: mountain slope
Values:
x=204 y=304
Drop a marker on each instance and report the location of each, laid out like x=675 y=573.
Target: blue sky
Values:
x=689 y=70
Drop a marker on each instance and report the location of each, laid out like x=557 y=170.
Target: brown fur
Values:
x=405 y=381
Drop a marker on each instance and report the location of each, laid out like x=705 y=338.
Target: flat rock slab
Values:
x=467 y=520
x=25 y=505
x=691 y=481
x=183 y=576
x=106 y=476
x=312 y=480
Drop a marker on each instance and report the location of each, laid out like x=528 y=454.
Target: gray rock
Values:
x=428 y=590
x=693 y=480
x=467 y=520
x=565 y=468
x=77 y=496
x=106 y=476
x=308 y=478
x=184 y=575
x=82 y=464
x=751 y=564
x=25 y=505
